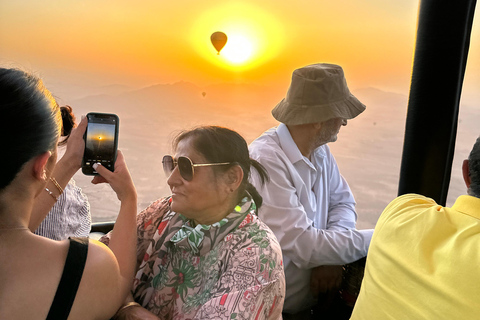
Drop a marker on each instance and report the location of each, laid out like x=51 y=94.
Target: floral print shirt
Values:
x=231 y=269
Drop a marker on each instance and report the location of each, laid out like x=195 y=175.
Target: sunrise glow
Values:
x=238 y=49
x=254 y=36
x=98 y=132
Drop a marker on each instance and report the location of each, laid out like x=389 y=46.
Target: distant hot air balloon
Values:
x=204 y=94
x=219 y=39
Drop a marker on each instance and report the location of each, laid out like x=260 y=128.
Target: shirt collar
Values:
x=468 y=205
x=288 y=145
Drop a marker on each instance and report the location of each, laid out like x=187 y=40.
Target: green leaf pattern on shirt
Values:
x=187 y=270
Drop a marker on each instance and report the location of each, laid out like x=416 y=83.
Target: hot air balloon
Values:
x=219 y=39
x=204 y=94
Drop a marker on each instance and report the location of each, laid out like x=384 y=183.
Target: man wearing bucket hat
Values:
x=307 y=203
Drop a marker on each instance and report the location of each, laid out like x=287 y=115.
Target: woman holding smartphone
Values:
x=41 y=278
x=203 y=253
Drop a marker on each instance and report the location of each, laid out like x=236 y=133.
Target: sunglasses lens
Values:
x=185 y=167
x=168 y=165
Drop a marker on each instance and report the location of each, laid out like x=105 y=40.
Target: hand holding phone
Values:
x=120 y=180
x=101 y=142
x=73 y=156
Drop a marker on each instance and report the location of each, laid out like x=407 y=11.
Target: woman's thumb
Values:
x=104 y=172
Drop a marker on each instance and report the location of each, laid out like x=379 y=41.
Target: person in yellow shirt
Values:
x=424 y=259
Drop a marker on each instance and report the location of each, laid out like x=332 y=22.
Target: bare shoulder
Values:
x=99 y=255
x=98 y=295
x=34 y=266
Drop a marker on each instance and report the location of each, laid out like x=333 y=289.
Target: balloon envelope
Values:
x=219 y=39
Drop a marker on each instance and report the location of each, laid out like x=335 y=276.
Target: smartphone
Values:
x=101 y=142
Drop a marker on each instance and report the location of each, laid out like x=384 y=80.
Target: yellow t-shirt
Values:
x=423 y=262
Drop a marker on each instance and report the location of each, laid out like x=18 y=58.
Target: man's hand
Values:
x=325 y=280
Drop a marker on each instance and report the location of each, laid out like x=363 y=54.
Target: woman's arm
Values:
x=64 y=170
x=124 y=234
x=108 y=274
x=148 y=221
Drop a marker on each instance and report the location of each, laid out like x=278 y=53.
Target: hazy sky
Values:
x=138 y=43
x=79 y=45
x=143 y=42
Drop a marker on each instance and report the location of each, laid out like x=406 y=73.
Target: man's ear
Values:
x=234 y=177
x=466 y=173
x=39 y=165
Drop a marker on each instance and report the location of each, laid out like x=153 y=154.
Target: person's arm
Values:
x=108 y=275
x=341 y=211
x=148 y=221
x=124 y=234
x=306 y=246
x=325 y=280
x=64 y=170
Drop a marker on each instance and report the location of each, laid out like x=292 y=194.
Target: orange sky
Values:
x=77 y=46
x=145 y=42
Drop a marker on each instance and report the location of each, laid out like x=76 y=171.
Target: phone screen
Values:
x=100 y=141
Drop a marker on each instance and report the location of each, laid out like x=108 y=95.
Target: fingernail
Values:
x=83 y=116
x=95 y=165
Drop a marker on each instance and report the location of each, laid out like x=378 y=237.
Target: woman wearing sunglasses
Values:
x=202 y=252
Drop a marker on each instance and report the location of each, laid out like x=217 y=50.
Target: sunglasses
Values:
x=185 y=166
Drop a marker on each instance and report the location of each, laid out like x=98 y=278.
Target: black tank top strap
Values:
x=71 y=277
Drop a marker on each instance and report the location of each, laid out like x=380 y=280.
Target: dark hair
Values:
x=30 y=121
x=68 y=123
x=218 y=144
x=474 y=168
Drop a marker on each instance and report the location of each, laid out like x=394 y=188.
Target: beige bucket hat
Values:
x=318 y=92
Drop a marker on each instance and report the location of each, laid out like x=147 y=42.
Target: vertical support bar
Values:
x=443 y=40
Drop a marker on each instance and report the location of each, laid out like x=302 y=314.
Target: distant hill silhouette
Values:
x=151 y=116
x=368 y=149
x=180 y=101
x=183 y=96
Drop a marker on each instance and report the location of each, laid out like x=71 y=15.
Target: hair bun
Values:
x=68 y=120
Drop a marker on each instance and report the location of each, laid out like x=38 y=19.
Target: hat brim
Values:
x=293 y=114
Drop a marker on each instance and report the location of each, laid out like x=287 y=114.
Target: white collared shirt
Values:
x=310 y=208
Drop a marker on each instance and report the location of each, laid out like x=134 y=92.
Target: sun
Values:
x=254 y=35
x=238 y=49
